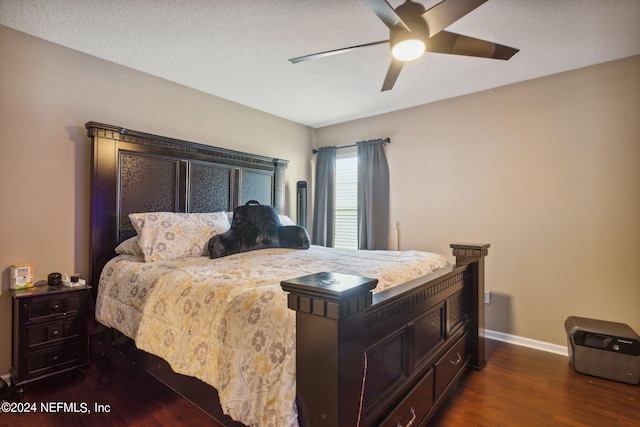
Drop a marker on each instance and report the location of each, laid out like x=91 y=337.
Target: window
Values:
x=346 y=223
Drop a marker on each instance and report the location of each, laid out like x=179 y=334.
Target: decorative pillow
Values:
x=170 y=235
x=129 y=247
x=257 y=226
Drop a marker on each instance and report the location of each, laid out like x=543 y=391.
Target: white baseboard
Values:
x=526 y=342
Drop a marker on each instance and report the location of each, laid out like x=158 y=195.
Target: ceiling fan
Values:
x=415 y=30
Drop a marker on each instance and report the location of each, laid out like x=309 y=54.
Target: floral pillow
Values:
x=170 y=235
x=129 y=247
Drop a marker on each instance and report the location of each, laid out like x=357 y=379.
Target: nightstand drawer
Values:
x=56 y=306
x=55 y=359
x=51 y=332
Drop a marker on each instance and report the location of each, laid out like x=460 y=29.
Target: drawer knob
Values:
x=55 y=333
x=55 y=357
x=413 y=418
x=55 y=307
x=457 y=360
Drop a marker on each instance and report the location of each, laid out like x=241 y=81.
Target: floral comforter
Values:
x=226 y=321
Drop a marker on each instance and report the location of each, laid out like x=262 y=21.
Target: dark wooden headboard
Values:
x=139 y=172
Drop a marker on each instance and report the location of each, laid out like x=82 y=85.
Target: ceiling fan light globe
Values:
x=408 y=50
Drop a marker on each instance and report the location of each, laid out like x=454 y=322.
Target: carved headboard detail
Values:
x=139 y=172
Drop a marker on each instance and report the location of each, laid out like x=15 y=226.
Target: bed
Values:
x=348 y=343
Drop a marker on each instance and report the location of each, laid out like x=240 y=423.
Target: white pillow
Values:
x=170 y=235
x=284 y=220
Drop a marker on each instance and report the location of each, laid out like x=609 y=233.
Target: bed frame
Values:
x=363 y=359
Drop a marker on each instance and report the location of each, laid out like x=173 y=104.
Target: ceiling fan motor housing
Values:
x=409 y=10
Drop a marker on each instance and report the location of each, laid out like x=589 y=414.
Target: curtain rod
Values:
x=384 y=141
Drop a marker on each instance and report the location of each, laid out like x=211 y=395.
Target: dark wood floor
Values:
x=525 y=387
x=518 y=387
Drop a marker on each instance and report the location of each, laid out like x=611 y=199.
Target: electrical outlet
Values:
x=487 y=297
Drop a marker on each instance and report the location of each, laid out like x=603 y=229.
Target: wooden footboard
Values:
x=389 y=358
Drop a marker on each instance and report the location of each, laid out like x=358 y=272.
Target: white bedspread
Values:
x=226 y=320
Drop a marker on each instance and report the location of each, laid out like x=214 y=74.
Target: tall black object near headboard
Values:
x=301 y=203
x=187 y=177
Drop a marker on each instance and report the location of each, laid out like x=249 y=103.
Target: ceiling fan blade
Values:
x=447 y=12
x=386 y=13
x=392 y=74
x=457 y=44
x=333 y=52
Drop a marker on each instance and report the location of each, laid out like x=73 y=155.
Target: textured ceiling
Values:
x=238 y=49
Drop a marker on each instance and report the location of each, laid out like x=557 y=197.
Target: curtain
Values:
x=324 y=206
x=373 y=195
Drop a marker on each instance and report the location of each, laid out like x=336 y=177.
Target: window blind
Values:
x=346 y=223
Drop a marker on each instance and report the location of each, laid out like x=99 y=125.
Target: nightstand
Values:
x=49 y=332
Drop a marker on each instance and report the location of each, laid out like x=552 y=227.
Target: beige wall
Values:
x=47 y=93
x=546 y=171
